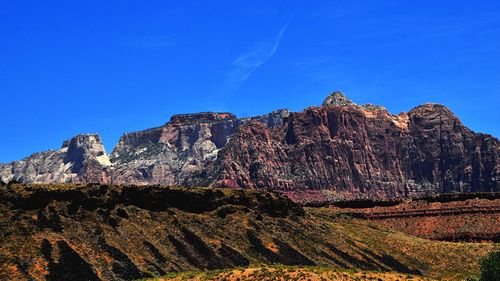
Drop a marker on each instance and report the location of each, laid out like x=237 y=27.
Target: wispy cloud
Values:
x=244 y=65
x=247 y=63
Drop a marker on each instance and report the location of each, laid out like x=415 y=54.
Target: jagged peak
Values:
x=82 y=138
x=283 y=111
x=340 y=99
x=82 y=146
x=432 y=107
x=373 y=107
x=337 y=99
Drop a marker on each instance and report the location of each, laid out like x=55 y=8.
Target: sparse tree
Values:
x=490 y=267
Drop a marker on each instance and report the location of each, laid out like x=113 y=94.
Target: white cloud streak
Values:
x=247 y=63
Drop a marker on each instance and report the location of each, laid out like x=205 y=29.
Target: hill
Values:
x=99 y=232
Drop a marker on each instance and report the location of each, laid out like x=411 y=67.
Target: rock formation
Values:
x=169 y=154
x=337 y=99
x=80 y=159
x=471 y=217
x=347 y=151
x=173 y=153
x=337 y=151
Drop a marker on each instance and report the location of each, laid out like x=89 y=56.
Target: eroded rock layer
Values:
x=472 y=217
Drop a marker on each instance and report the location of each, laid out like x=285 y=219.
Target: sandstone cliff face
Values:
x=344 y=151
x=337 y=151
x=169 y=154
x=449 y=155
x=185 y=146
x=80 y=159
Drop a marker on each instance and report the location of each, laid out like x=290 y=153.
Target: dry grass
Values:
x=116 y=235
x=288 y=273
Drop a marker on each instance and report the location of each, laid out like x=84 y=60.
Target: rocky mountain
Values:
x=344 y=151
x=337 y=151
x=80 y=159
x=172 y=154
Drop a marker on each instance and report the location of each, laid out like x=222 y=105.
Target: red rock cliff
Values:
x=347 y=151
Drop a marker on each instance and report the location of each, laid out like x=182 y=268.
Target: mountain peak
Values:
x=83 y=146
x=337 y=99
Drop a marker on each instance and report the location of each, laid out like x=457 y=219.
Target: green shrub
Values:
x=490 y=267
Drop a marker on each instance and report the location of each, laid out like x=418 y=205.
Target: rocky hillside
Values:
x=97 y=232
x=469 y=217
x=337 y=151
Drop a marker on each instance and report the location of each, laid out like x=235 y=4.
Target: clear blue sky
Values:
x=70 y=67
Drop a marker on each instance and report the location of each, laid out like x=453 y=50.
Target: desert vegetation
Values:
x=132 y=232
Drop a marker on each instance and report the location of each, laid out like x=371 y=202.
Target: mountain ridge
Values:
x=339 y=150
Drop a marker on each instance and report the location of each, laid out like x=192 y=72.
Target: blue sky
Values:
x=70 y=67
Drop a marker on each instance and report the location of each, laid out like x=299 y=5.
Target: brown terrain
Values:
x=465 y=217
x=285 y=273
x=102 y=232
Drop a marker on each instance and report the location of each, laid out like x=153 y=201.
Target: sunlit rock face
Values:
x=337 y=99
x=180 y=150
x=339 y=150
x=170 y=154
x=80 y=159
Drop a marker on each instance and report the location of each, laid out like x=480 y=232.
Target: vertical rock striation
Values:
x=345 y=151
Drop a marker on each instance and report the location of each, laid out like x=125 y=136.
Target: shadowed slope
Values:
x=116 y=233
